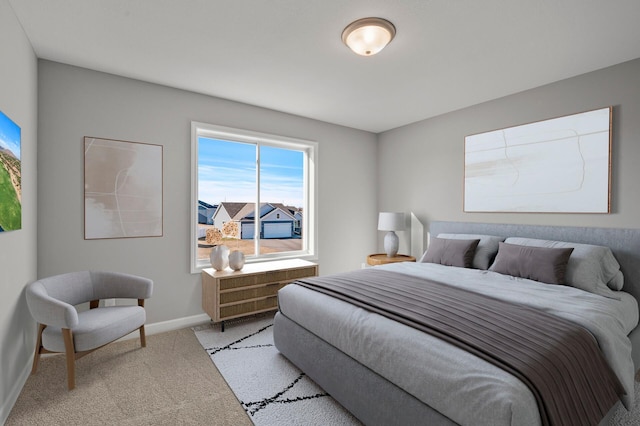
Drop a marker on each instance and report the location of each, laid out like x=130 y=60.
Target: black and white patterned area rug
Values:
x=271 y=389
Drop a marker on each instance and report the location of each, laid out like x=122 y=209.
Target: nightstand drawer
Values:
x=228 y=283
x=248 y=308
x=294 y=274
x=252 y=293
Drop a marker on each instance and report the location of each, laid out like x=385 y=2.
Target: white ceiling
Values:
x=287 y=55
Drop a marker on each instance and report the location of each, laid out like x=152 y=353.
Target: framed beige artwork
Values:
x=123 y=189
x=561 y=165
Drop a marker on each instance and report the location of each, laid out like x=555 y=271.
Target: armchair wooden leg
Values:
x=36 y=356
x=70 y=354
x=143 y=339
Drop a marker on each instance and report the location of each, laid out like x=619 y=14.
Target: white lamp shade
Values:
x=390 y=221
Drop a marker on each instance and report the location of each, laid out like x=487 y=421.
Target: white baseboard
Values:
x=175 y=324
x=12 y=397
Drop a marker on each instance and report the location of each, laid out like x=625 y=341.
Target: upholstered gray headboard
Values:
x=625 y=243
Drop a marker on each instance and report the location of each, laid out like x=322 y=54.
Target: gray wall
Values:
x=421 y=166
x=75 y=102
x=18 y=100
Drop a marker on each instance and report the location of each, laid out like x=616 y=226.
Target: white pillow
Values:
x=486 y=250
x=591 y=268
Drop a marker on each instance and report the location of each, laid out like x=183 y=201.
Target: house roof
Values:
x=232 y=209
x=293 y=210
x=206 y=205
x=242 y=213
x=246 y=211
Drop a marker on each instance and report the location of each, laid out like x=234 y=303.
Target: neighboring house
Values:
x=276 y=221
x=297 y=225
x=206 y=212
x=297 y=216
x=229 y=211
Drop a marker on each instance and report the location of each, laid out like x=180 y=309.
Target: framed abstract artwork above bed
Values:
x=561 y=165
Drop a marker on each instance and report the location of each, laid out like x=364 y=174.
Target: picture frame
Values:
x=123 y=189
x=10 y=174
x=560 y=165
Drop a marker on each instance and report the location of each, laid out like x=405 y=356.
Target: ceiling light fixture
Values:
x=368 y=36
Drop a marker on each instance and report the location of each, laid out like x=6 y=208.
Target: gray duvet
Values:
x=461 y=386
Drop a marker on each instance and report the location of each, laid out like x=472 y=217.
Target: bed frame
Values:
x=375 y=400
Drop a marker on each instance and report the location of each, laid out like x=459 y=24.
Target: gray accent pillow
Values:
x=486 y=250
x=547 y=265
x=591 y=268
x=451 y=252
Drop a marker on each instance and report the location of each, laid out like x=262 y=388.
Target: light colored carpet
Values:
x=170 y=382
x=622 y=417
x=271 y=389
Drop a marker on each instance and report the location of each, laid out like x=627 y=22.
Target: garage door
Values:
x=247 y=231
x=277 y=230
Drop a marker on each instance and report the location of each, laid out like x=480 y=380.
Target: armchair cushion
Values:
x=97 y=327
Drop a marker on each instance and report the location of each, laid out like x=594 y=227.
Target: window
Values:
x=252 y=192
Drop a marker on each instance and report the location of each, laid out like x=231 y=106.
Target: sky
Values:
x=227 y=172
x=9 y=135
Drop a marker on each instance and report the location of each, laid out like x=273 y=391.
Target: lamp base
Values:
x=391 y=243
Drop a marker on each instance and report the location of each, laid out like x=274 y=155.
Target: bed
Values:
x=385 y=372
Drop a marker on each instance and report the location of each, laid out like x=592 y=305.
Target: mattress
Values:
x=452 y=381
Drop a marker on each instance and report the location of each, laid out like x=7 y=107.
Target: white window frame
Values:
x=310 y=223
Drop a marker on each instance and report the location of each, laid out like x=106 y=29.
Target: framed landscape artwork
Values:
x=10 y=175
x=122 y=189
x=562 y=165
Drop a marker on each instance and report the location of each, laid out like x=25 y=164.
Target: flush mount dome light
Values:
x=368 y=36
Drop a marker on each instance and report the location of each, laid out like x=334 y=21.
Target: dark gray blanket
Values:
x=557 y=359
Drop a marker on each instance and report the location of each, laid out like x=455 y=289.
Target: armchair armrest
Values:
x=47 y=310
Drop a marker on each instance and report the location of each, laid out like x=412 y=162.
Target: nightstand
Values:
x=382 y=258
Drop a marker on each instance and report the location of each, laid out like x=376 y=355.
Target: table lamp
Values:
x=391 y=222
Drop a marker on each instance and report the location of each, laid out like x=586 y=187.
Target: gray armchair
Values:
x=61 y=328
